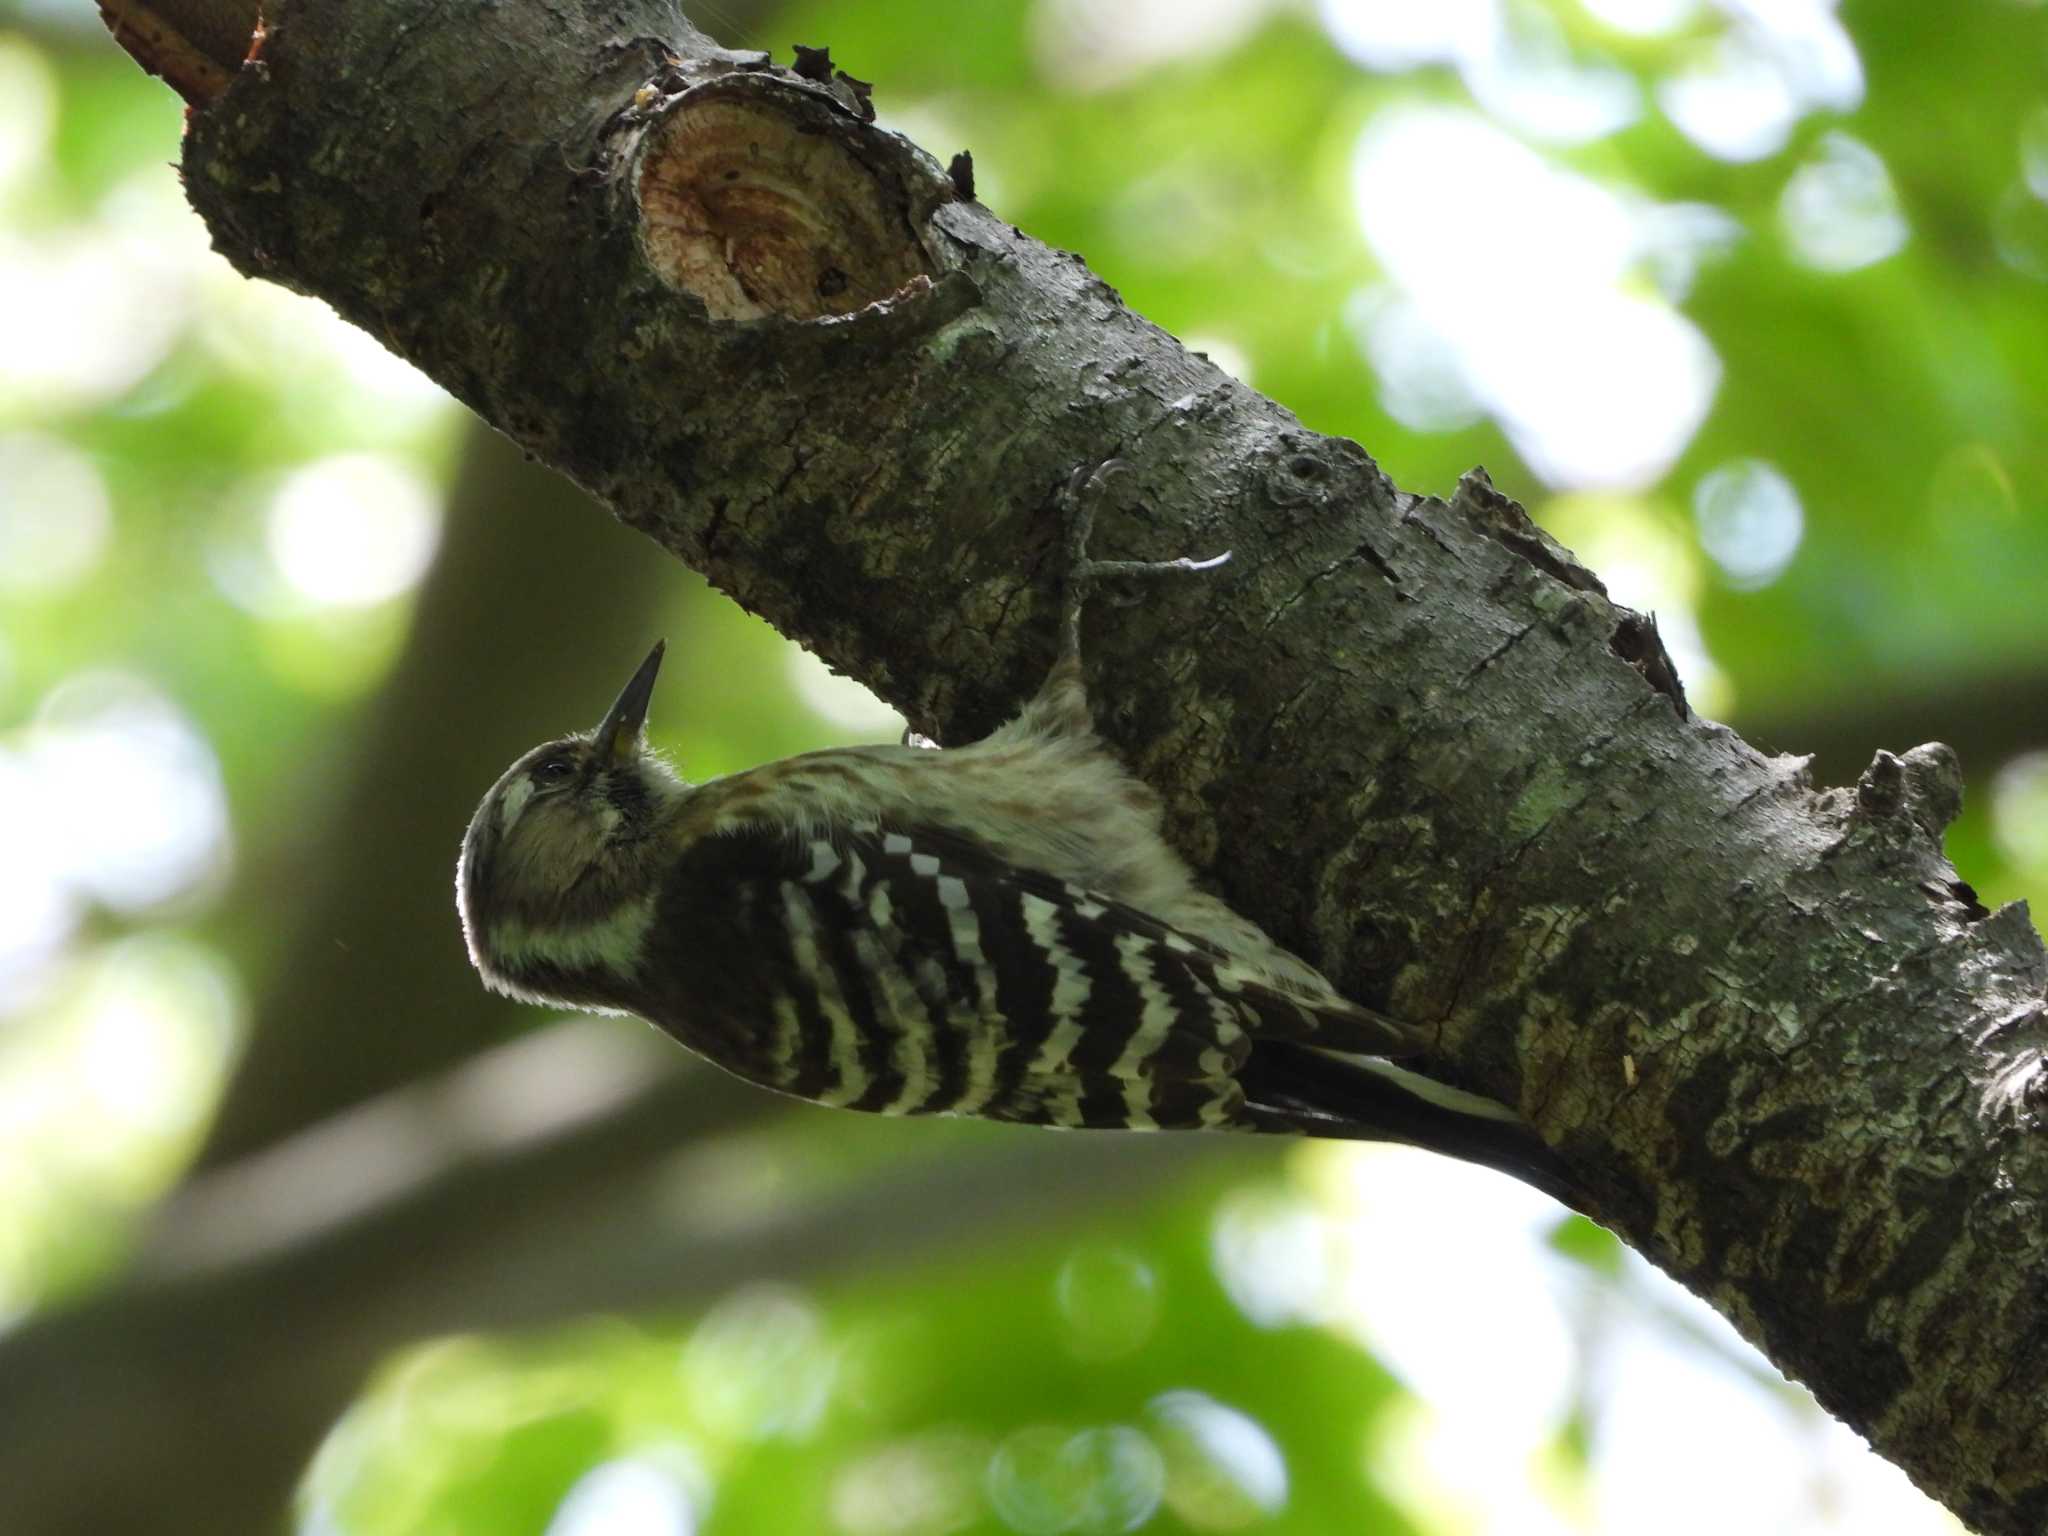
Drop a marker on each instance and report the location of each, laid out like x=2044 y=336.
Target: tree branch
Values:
x=1798 y=1065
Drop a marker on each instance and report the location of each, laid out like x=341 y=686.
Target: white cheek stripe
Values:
x=612 y=944
x=516 y=795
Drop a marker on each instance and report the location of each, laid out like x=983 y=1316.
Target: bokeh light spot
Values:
x=28 y=110
x=2019 y=811
x=1675 y=240
x=1043 y=1480
x=1120 y=1474
x=1682 y=1385
x=353 y=529
x=1642 y=18
x=1093 y=45
x=1474 y=1271
x=130 y=791
x=1223 y=1470
x=1750 y=522
x=1029 y=1488
x=1108 y=1302
x=1517 y=62
x=2019 y=228
x=1742 y=93
x=1606 y=392
x=1596 y=382
x=54 y=514
x=1272 y=1253
x=1421 y=385
x=38 y=908
x=758 y=1367
x=102 y=1092
x=927 y=1485
x=1399 y=37
x=1731 y=102
x=1807 y=42
x=2034 y=151
x=1532 y=80
x=625 y=1497
x=85 y=319
x=1839 y=210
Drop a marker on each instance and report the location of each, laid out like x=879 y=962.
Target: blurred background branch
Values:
x=188 y=1398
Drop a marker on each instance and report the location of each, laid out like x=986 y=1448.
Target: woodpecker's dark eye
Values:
x=552 y=771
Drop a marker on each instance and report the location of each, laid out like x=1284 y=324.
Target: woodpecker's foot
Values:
x=1077 y=506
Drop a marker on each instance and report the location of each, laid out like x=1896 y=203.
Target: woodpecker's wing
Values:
x=1289 y=1086
x=910 y=970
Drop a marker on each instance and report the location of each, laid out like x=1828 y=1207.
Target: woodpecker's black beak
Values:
x=620 y=732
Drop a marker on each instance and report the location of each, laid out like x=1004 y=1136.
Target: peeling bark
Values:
x=193 y=46
x=1797 y=1063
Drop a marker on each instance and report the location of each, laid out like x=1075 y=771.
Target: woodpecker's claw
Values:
x=1077 y=504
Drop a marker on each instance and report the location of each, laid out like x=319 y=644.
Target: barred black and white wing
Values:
x=910 y=971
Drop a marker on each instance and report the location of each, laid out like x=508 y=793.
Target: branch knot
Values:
x=1926 y=785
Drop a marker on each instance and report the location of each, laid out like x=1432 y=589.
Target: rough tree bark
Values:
x=1796 y=1062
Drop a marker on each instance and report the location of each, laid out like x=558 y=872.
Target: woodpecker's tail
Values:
x=1290 y=1086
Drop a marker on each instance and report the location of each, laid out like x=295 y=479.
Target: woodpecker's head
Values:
x=560 y=858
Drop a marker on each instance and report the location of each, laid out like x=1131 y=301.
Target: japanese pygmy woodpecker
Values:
x=996 y=929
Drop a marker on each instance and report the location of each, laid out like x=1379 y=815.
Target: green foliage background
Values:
x=1039 y=1381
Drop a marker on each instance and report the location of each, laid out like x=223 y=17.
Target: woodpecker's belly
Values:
x=909 y=972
